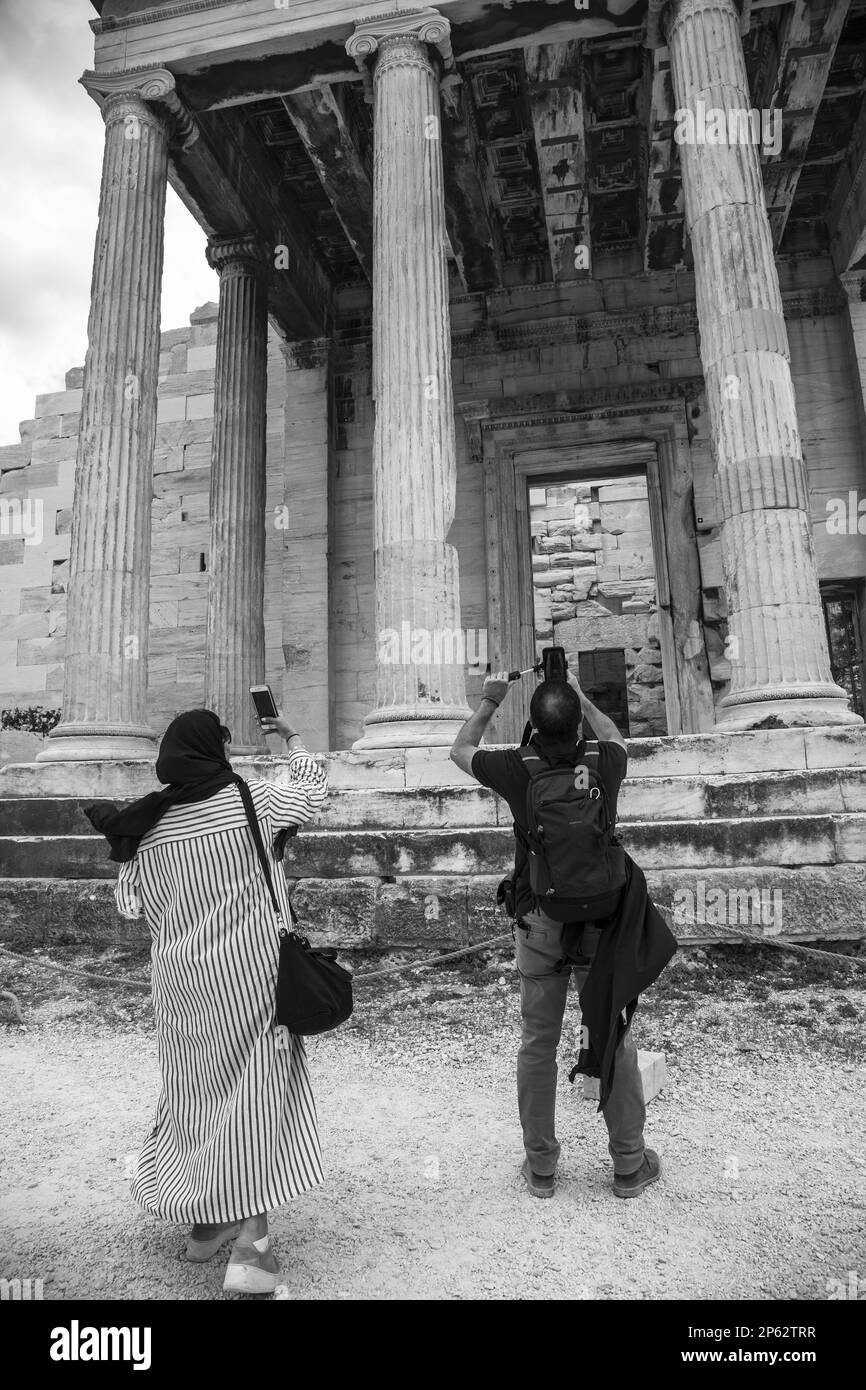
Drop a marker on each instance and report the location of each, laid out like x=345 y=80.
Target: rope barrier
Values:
x=809 y=951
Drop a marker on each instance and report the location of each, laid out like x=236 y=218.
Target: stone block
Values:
x=710 y=555
x=193 y=559
x=602 y=630
x=653 y=1075
x=170 y=409
x=550 y=545
x=337 y=912
x=649 y=675
x=843 y=747
x=199 y=407
x=422 y=909
x=201 y=358
x=619 y=517
x=623 y=492
x=549 y=579
x=58 y=403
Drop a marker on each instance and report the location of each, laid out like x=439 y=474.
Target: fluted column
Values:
x=235 y=638
x=420 y=694
x=780 y=667
x=105 y=676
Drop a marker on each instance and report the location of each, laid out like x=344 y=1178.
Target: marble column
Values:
x=780 y=667
x=105 y=679
x=420 y=695
x=853 y=282
x=235 y=638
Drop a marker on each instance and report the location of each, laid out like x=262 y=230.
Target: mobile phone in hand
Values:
x=554 y=664
x=264 y=702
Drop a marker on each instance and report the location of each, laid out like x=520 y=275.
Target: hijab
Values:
x=192 y=762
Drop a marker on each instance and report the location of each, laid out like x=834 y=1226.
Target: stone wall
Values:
x=33 y=578
x=592 y=560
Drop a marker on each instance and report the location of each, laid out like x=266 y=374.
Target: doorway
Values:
x=526 y=448
x=595 y=592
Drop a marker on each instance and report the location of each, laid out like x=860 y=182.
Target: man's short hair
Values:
x=555 y=710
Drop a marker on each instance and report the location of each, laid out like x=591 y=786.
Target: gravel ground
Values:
x=759 y=1129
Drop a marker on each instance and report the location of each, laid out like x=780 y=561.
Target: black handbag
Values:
x=314 y=993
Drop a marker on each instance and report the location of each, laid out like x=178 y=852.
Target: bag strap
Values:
x=528 y=755
x=253 y=822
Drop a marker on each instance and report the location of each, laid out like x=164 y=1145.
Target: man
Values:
x=548 y=950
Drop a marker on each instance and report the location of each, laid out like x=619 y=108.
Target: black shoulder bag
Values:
x=314 y=993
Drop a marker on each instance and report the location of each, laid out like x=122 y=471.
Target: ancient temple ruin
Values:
x=537 y=321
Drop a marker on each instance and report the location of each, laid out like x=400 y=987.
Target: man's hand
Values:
x=573 y=682
x=495 y=687
x=604 y=728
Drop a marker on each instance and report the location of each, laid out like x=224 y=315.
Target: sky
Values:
x=51 y=141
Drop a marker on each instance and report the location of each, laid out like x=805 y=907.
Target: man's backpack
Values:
x=576 y=863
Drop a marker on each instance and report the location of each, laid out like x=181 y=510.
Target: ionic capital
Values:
x=853 y=283
x=150 y=94
x=424 y=26
x=235 y=255
x=661 y=13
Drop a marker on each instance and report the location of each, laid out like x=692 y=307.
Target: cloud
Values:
x=50 y=169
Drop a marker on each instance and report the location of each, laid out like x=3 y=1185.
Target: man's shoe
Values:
x=539 y=1184
x=633 y=1184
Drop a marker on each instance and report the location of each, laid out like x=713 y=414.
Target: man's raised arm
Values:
x=465 y=745
x=604 y=728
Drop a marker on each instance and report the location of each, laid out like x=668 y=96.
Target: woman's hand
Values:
x=278 y=726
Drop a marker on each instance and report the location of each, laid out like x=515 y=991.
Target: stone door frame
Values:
x=641 y=437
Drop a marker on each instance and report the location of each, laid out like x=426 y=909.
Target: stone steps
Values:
x=407 y=851
x=431 y=911
x=831 y=791
x=395 y=851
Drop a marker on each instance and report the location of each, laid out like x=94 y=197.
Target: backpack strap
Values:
x=531 y=760
x=590 y=759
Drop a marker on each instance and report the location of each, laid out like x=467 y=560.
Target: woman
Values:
x=235 y=1131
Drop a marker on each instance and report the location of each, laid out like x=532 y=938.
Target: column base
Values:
x=412 y=728
x=786 y=713
x=78 y=743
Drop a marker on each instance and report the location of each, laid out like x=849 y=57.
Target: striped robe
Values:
x=235 y=1129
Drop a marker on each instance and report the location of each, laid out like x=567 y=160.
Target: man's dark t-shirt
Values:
x=504 y=771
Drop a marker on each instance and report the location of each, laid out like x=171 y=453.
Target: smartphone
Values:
x=264 y=702
x=553 y=664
